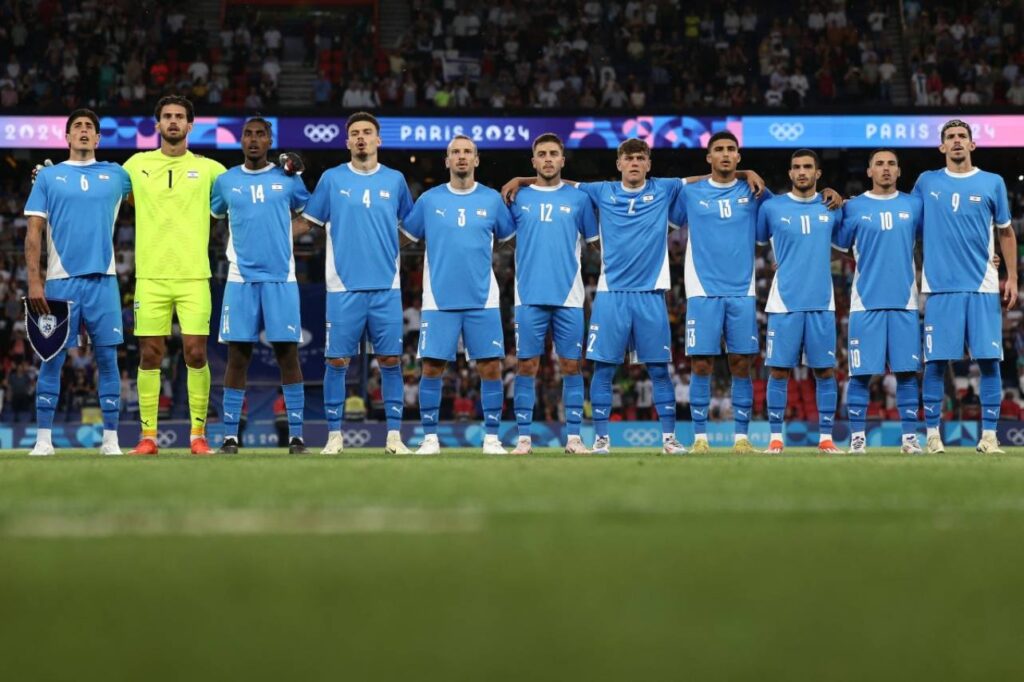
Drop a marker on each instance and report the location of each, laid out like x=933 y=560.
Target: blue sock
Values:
x=742 y=403
x=109 y=386
x=907 y=402
x=295 y=403
x=572 y=399
x=700 y=398
x=991 y=393
x=48 y=390
x=825 y=396
x=334 y=396
x=231 y=410
x=492 y=396
x=932 y=392
x=601 y=396
x=523 y=401
x=857 y=399
x=664 y=396
x=392 y=389
x=778 y=395
x=430 y=402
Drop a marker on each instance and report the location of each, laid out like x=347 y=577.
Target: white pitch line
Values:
x=363 y=521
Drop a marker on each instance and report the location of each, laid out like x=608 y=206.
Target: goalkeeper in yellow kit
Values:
x=171 y=192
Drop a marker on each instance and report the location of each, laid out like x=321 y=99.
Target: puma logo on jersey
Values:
x=47 y=400
x=236 y=189
x=785 y=220
x=345 y=192
x=62 y=178
x=497 y=343
x=856 y=413
x=291 y=327
x=705 y=204
x=440 y=211
x=525 y=208
x=935 y=194
x=866 y=217
x=146 y=173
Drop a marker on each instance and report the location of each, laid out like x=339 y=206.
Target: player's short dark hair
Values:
x=82 y=113
x=190 y=111
x=260 y=119
x=548 y=137
x=955 y=123
x=634 y=146
x=722 y=135
x=807 y=152
x=361 y=116
x=882 y=150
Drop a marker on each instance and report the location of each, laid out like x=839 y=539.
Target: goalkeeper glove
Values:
x=291 y=163
x=39 y=167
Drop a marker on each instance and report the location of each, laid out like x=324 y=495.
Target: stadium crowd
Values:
x=632 y=388
x=552 y=54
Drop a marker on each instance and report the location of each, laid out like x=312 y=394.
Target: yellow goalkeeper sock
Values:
x=198 y=398
x=149 y=400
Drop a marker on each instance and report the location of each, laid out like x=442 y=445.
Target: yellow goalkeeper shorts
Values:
x=157 y=300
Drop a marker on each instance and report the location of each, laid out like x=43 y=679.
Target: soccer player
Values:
x=801 y=303
x=259 y=199
x=961 y=204
x=881 y=226
x=722 y=215
x=460 y=221
x=76 y=203
x=552 y=221
x=362 y=205
x=171 y=189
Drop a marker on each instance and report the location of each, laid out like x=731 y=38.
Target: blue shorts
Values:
x=377 y=312
x=482 y=334
x=96 y=301
x=532 y=322
x=813 y=331
x=709 y=318
x=879 y=338
x=247 y=304
x=951 y=320
x=636 y=321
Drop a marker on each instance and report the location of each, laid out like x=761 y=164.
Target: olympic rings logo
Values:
x=786 y=132
x=641 y=437
x=166 y=439
x=356 y=439
x=1015 y=436
x=321 y=132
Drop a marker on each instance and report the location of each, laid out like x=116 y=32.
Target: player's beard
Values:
x=461 y=174
x=169 y=137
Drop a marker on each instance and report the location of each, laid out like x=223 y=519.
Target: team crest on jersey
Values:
x=565 y=209
x=482 y=212
x=904 y=215
x=104 y=177
x=647 y=198
x=193 y=175
x=823 y=219
x=384 y=194
x=975 y=198
x=743 y=200
x=277 y=187
x=854 y=342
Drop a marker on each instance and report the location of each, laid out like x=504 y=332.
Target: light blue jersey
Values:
x=79 y=201
x=801 y=232
x=259 y=206
x=460 y=227
x=882 y=230
x=722 y=219
x=551 y=225
x=362 y=212
x=959 y=212
x=633 y=229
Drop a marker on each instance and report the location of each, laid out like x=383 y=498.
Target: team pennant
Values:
x=47 y=333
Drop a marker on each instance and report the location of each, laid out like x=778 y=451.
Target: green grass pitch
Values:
x=630 y=567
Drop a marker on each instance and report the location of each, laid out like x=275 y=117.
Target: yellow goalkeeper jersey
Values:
x=172 y=214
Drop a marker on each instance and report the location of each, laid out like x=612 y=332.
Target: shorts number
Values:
x=691 y=338
x=517 y=342
x=855 y=358
x=928 y=342
x=225 y=321
x=591 y=340
x=768 y=347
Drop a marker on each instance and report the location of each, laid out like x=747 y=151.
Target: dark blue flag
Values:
x=48 y=332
